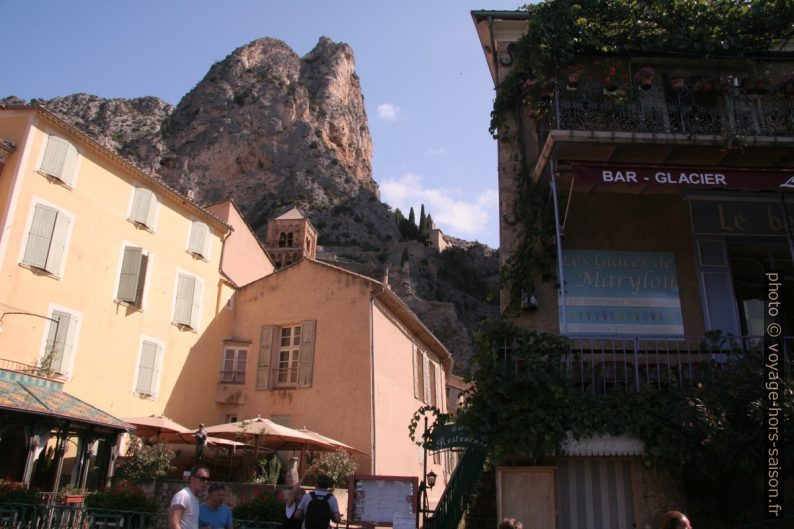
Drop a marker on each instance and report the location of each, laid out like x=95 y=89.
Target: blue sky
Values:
x=426 y=85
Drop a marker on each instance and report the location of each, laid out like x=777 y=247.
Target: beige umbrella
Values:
x=337 y=444
x=266 y=433
x=154 y=425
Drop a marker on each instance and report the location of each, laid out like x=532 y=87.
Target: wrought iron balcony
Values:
x=711 y=109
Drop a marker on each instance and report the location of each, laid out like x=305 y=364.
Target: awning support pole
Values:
x=558 y=235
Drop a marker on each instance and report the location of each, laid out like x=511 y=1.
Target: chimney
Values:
x=386 y=278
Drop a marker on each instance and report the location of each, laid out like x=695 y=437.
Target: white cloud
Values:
x=388 y=112
x=439 y=151
x=453 y=214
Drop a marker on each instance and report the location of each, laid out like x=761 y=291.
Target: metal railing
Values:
x=453 y=502
x=599 y=365
x=55 y=516
x=662 y=109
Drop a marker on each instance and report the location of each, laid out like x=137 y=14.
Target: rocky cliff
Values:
x=273 y=130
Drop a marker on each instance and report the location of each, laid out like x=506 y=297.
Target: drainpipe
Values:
x=372 y=376
x=558 y=235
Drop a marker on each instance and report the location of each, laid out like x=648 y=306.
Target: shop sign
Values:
x=453 y=436
x=740 y=218
x=621 y=293
x=676 y=178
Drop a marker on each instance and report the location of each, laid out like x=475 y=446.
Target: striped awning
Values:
x=603 y=445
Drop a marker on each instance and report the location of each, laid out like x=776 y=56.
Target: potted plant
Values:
x=71 y=495
x=13 y=492
x=645 y=77
x=614 y=75
x=787 y=85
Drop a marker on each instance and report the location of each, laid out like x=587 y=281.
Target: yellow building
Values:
x=109 y=277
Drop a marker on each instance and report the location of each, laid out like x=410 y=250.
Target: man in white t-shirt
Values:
x=184 y=511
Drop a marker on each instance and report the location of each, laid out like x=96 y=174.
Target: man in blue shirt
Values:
x=213 y=514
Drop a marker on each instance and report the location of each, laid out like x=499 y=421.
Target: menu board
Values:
x=377 y=500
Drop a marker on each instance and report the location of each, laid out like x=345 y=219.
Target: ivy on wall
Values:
x=708 y=437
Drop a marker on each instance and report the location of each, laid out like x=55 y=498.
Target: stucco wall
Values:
x=109 y=332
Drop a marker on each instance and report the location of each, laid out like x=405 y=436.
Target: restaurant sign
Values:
x=621 y=293
x=622 y=177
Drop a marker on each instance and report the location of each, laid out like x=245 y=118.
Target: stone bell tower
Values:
x=290 y=237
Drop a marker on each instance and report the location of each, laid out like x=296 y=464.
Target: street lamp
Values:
x=428 y=482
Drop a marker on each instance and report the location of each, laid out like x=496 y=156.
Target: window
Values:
x=282 y=240
x=60 y=160
x=46 y=244
x=289 y=356
x=233 y=368
x=133 y=276
x=230 y=418
x=60 y=342
x=144 y=206
x=147 y=377
x=187 y=305
x=199 y=239
x=286 y=356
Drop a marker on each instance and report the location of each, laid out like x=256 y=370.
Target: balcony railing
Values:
x=662 y=109
x=599 y=365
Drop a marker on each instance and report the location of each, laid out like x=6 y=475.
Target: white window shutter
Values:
x=147 y=370
x=152 y=211
x=306 y=361
x=185 y=289
x=426 y=377
x=142 y=206
x=199 y=238
x=416 y=371
x=263 y=364
x=57 y=346
x=195 y=311
x=55 y=154
x=130 y=274
x=40 y=235
x=69 y=166
x=57 y=244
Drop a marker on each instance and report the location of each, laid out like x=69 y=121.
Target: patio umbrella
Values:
x=266 y=433
x=154 y=425
x=188 y=438
x=333 y=442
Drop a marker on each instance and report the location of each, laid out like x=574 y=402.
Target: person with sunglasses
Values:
x=184 y=510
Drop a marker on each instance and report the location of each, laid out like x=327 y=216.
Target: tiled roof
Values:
x=25 y=396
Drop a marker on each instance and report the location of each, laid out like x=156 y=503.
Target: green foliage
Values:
x=13 y=492
x=263 y=507
x=709 y=437
x=123 y=497
x=145 y=462
x=338 y=466
x=268 y=469
x=562 y=30
x=458 y=269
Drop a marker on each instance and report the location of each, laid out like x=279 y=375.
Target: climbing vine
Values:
x=708 y=437
x=439 y=418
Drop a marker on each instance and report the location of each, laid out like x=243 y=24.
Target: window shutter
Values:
x=416 y=371
x=426 y=377
x=55 y=154
x=142 y=205
x=69 y=166
x=198 y=238
x=57 y=244
x=130 y=274
x=432 y=383
x=195 y=310
x=263 y=365
x=40 y=235
x=147 y=369
x=152 y=210
x=185 y=290
x=306 y=362
x=57 y=348
x=242 y=361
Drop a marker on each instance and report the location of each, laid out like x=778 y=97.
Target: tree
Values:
x=412 y=216
x=145 y=462
x=424 y=230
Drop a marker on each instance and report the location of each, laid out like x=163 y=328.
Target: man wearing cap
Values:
x=184 y=510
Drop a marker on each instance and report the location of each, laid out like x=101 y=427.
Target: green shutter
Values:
x=147 y=369
x=185 y=290
x=130 y=275
x=263 y=365
x=198 y=238
x=55 y=154
x=306 y=362
x=57 y=348
x=40 y=235
x=57 y=244
x=142 y=204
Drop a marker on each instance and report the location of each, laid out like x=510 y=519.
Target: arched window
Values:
x=289 y=240
x=282 y=240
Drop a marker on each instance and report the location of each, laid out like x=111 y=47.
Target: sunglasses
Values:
x=201 y=478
